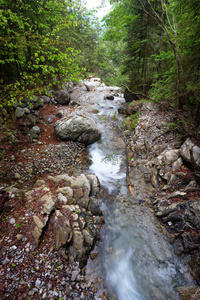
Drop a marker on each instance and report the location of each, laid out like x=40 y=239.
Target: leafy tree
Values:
x=38 y=49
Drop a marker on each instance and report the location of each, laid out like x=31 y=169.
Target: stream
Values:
x=135 y=260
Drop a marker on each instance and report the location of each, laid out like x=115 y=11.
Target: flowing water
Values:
x=136 y=261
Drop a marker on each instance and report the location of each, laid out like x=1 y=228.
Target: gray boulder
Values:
x=78 y=127
x=30 y=120
x=19 y=112
x=62 y=97
x=190 y=151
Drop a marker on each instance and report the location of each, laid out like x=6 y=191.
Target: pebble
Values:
x=12 y=221
x=19 y=237
x=6 y=261
x=74 y=275
x=38 y=283
x=17 y=176
x=13 y=248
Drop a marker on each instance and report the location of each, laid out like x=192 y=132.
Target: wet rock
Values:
x=190 y=151
x=94 y=207
x=78 y=127
x=174 y=217
x=192 y=214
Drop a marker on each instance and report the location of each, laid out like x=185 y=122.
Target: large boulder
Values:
x=78 y=127
x=190 y=152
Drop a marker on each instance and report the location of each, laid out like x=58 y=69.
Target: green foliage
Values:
x=131 y=122
x=111 y=158
x=153 y=46
x=40 y=49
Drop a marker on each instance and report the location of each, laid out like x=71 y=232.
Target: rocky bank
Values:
x=50 y=216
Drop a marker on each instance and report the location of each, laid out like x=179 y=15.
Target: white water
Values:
x=121 y=275
x=106 y=167
x=138 y=261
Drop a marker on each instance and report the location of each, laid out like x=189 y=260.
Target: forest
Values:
x=149 y=47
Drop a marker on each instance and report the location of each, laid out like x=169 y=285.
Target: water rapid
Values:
x=136 y=261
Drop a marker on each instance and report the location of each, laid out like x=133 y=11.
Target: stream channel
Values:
x=135 y=260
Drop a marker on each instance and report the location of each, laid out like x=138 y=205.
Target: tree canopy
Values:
x=155 y=48
x=43 y=43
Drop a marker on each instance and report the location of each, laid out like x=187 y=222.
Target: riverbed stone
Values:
x=62 y=97
x=30 y=120
x=167 y=157
x=78 y=127
x=19 y=112
x=191 y=187
x=94 y=207
x=177 y=164
x=163 y=211
x=189 y=149
x=94 y=184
